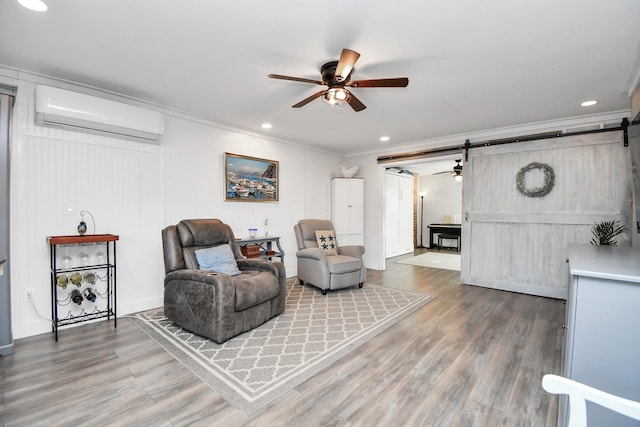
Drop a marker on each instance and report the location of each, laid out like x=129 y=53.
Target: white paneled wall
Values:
x=134 y=190
x=119 y=182
x=194 y=185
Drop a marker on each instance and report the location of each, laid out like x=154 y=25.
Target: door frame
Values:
x=382 y=170
x=6 y=334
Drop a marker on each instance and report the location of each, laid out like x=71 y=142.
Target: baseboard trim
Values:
x=540 y=291
x=6 y=350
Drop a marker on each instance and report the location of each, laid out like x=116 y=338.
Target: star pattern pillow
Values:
x=327 y=240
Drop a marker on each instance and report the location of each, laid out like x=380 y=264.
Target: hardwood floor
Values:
x=472 y=357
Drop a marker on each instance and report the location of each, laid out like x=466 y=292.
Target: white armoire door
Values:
x=347 y=210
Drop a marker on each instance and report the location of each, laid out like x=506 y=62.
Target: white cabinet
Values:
x=399 y=214
x=347 y=210
x=601 y=347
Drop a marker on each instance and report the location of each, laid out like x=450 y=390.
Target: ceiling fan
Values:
x=456 y=171
x=336 y=75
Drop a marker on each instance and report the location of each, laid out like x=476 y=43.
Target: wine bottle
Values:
x=76 y=296
x=62 y=280
x=76 y=279
x=90 y=294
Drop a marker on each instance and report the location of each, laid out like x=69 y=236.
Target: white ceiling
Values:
x=471 y=65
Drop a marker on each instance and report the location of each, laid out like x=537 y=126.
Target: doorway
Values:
x=6 y=336
x=437 y=197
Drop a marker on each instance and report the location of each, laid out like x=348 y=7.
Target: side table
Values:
x=266 y=244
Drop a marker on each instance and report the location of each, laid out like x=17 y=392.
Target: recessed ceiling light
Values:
x=384 y=138
x=37 y=5
x=266 y=126
x=589 y=103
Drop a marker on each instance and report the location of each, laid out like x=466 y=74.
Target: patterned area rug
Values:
x=255 y=368
x=434 y=260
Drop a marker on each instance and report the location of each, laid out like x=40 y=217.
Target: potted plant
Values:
x=605 y=232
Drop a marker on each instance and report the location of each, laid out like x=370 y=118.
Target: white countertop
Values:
x=605 y=262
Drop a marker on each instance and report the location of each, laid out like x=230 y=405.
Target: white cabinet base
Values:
x=602 y=348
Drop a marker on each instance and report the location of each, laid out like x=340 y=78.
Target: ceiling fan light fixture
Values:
x=457 y=169
x=336 y=96
x=336 y=75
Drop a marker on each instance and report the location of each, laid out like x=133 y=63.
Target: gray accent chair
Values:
x=216 y=305
x=327 y=272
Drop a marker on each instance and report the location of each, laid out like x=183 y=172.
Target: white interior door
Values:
x=398 y=214
x=391 y=215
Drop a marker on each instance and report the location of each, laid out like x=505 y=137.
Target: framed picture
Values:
x=250 y=179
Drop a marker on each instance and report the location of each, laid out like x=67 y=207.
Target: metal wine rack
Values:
x=105 y=264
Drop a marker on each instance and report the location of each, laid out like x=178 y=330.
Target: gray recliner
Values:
x=327 y=272
x=216 y=305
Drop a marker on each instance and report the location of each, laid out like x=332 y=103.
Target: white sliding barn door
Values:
x=519 y=243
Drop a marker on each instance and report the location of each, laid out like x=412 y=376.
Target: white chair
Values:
x=579 y=394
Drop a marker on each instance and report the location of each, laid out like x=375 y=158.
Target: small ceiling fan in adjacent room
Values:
x=336 y=75
x=456 y=171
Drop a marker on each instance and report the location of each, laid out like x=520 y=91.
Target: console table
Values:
x=267 y=250
x=453 y=229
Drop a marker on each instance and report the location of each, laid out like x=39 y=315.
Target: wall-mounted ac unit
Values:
x=84 y=113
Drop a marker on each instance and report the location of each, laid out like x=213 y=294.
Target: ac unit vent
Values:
x=85 y=113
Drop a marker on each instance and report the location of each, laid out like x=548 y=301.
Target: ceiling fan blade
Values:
x=395 y=82
x=309 y=99
x=355 y=103
x=443 y=173
x=346 y=63
x=295 y=79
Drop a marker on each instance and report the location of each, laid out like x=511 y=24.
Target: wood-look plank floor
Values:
x=472 y=357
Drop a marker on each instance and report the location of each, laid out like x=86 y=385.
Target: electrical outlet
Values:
x=28 y=294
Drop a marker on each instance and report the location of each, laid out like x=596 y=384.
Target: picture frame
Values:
x=250 y=179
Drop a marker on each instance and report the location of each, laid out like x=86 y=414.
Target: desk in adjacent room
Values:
x=454 y=229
